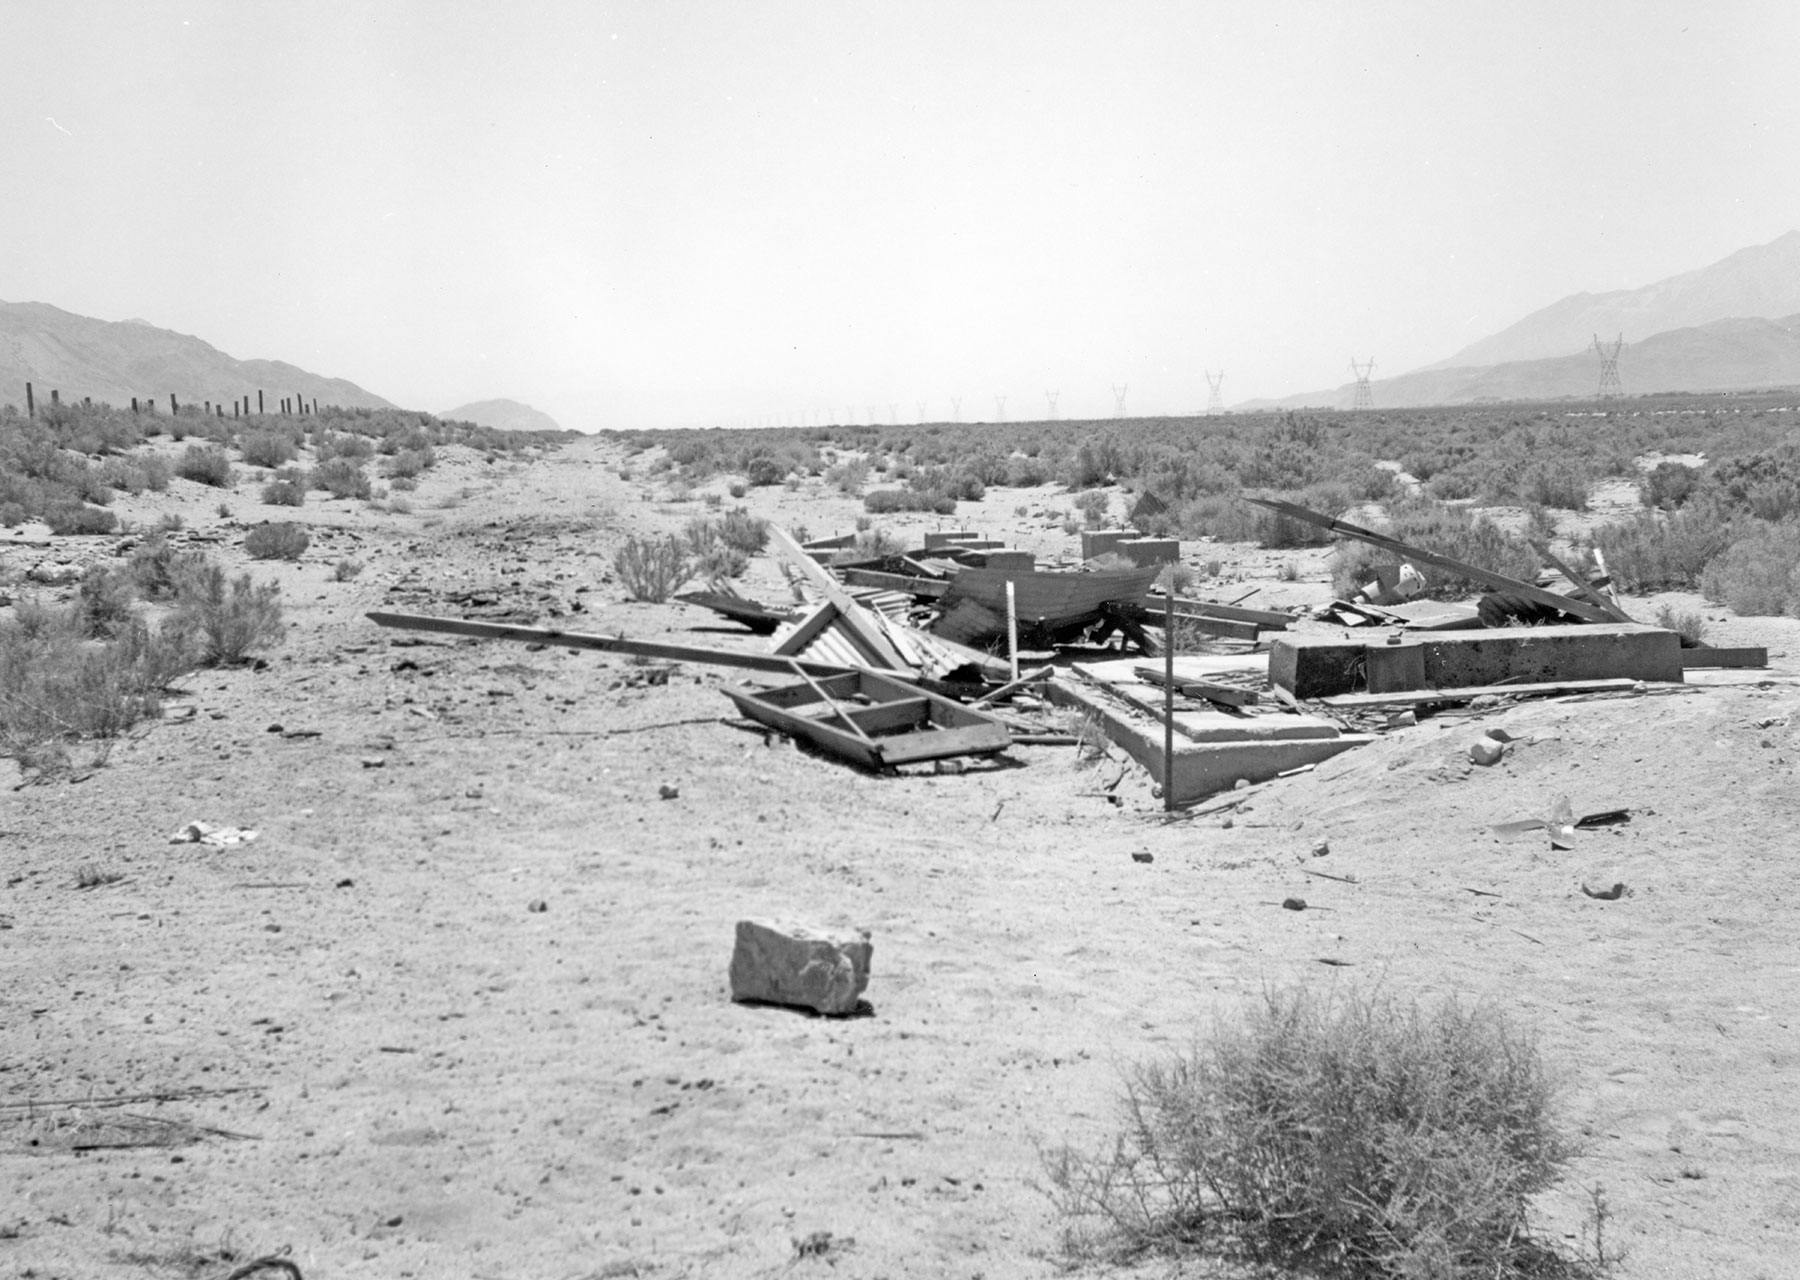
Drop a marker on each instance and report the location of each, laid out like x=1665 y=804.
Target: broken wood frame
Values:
x=1531 y=591
x=892 y=723
x=1224 y=694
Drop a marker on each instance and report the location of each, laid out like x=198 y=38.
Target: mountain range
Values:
x=502 y=415
x=1731 y=326
x=112 y=361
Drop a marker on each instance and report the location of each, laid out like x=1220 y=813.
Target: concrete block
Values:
x=1393 y=668
x=1004 y=558
x=1148 y=551
x=945 y=538
x=1191 y=666
x=783 y=962
x=1097 y=542
x=1202 y=768
x=1316 y=666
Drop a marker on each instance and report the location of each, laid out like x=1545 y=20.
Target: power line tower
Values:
x=956 y=408
x=893 y=414
x=1215 y=403
x=1365 y=398
x=1052 y=396
x=999 y=408
x=921 y=411
x=1119 y=400
x=1610 y=387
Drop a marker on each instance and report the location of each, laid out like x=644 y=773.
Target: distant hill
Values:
x=1759 y=282
x=112 y=361
x=1725 y=355
x=502 y=415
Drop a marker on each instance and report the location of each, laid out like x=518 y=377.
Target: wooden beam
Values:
x=884 y=717
x=1184 y=605
x=923 y=587
x=1585 y=588
x=1499 y=581
x=608 y=644
x=1229 y=695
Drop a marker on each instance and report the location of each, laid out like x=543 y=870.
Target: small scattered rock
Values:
x=373 y=762
x=1242 y=784
x=1294 y=904
x=1486 y=751
x=668 y=792
x=949 y=766
x=1321 y=848
x=1143 y=857
x=537 y=906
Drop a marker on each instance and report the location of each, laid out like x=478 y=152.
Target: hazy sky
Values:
x=665 y=214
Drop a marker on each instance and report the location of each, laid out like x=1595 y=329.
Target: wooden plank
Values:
x=1499 y=581
x=1585 y=588
x=924 y=588
x=1229 y=695
x=1224 y=628
x=885 y=717
x=795 y=642
x=832 y=704
x=606 y=644
x=846 y=684
x=851 y=618
x=1268 y=619
x=1748 y=657
x=826 y=737
x=938 y=744
x=1413 y=697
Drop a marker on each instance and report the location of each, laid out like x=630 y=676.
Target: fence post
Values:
x=259 y=408
x=30 y=402
x=174 y=408
x=134 y=407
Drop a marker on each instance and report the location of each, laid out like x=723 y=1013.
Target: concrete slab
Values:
x=1149 y=551
x=1200 y=769
x=1196 y=666
x=1320 y=665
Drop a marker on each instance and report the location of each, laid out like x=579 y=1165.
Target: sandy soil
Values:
x=429 y=1077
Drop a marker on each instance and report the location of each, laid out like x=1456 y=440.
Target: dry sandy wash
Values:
x=428 y=1077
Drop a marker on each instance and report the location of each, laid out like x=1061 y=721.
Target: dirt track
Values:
x=439 y=1080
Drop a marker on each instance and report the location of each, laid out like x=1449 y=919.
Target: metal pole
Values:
x=1012 y=628
x=1169 y=693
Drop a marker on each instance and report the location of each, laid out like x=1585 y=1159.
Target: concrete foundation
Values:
x=1202 y=768
x=1316 y=666
x=1148 y=551
x=1097 y=542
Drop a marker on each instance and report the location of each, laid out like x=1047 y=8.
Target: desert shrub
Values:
x=1649 y=551
x=737 y=488
x=342 y=477
x=267 y=449
x=1452 y=486
x=58 y=687
x=1348 y=1136
x=1765 y=485
x=1688 y=623
x=883 y=502
x=1449 y=531
x=346 y=569
x=1556 y=486
x=848 y=477
x=1025 y=473
x=720 y=561
x=157 y=473
x=207 y=464
x=408 y=463
x=283 y=540
x=764 y=471
x=1228 y=518
x=158 y=570
x=342 y=444
x=1759 y=574
x=1667 y=485
x=1093 y=504
x=741 y=531
x=283 y=493
x=78 y=518
x=103 y=604
x=223 y=620
x=652 y=568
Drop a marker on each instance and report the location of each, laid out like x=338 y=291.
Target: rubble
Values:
x=781 y=962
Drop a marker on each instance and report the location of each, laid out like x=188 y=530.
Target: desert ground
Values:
x=460 y=1009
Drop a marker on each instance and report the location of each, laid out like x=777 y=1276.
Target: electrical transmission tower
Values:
x=1051 y=396
x=1610 y=386
x=1119 y=400
x=956 y=408
x=921 y=411
x=893 y=414
x=1215 y=403
x=1365 y=398
x=999 y=408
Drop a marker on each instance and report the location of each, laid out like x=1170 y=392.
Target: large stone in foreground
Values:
x=787 y=963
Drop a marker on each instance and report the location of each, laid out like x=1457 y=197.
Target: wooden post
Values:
x=209 y=408
x=1012 y=628
x=174 y=408
x=55 y=396
x=259 y=408
x=30 y=402
x=1169 y=693
x=134 y=407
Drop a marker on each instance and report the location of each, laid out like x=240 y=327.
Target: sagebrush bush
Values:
x=267 y=449
x=1668 y=485
x=68 y=519
x=1759 y=574
x=342 y=477
x=223 y=620
x=1342 y=1136
x=1651 y=551
x=284 y=493
x=207 y=464
x=158 y=570
x=284 y=540
x=741 y=531
x=104 y=602
x=652 y=568
x=1687 y=623
x=1449 y=531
